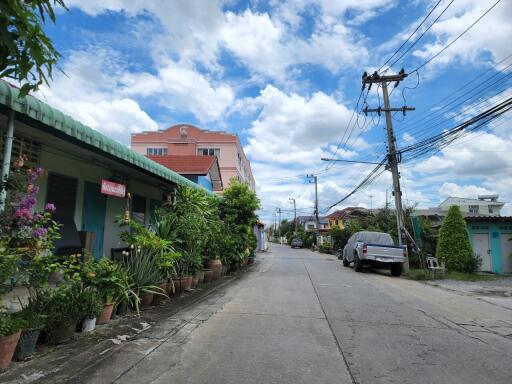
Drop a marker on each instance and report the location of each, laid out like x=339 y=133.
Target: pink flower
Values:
x=49 y=207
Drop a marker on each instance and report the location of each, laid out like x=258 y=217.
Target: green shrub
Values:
x=92 y=305
x=339 y=237
x=61 y=305
x=326 y=247
x=454 y=244
x=10 y=323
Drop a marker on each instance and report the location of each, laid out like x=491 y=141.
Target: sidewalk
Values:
x=67 y=362
x=497 y=292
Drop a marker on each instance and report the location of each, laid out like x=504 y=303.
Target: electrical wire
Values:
x=410 y=36
x=457 y=38
x=422 y=34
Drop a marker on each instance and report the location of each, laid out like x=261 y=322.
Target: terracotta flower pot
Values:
x=250 y=260
x=7 y=348
x=208 y=273
x=188 y=283
x=216 y=266
x=200 y=277
x=195 y=281
x=106 y=314
x=157 y=299
x=146 y=299
x=179 y=285
x=225 y=269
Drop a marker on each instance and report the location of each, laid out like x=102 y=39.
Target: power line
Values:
x=410 y=36
x=428 y=110
x=422 y=34
x=457 y=38
x=439 y=141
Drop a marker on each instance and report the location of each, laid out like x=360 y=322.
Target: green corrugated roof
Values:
x=53 y=118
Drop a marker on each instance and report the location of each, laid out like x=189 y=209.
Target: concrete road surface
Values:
x=301 y=317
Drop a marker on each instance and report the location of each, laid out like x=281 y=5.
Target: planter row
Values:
x=21 y=345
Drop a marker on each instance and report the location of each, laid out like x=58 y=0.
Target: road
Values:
x=301 y=317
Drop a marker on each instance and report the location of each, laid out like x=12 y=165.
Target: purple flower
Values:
x=40 y=232
x=49 y=207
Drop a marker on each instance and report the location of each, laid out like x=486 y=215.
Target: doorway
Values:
x=481 y=248
x=93 y=215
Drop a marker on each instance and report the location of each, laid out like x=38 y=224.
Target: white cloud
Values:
x=181 y=88
x=195 y=32
x=467 y=191
x=87 y=93
x=292 y=128
x=482 y=38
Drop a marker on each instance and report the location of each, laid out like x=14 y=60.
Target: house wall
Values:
x=497 y=234
x=232 y=159
x=66 y=164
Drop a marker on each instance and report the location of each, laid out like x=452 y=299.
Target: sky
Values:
x=286 y=77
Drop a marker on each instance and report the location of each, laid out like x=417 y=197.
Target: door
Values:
x=506 y=251
x=93 y=215
x=481 y=248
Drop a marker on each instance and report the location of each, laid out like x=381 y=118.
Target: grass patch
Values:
x=422 y=274
x=470 y=276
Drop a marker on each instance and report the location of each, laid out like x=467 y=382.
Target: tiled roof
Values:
x=186 y=164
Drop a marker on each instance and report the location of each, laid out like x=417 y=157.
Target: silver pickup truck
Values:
x=374 y=249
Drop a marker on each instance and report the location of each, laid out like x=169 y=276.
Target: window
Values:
x=23 y=147
x=62 y=193
x=208 y=152
x=473 y=209
x=156 y=151
x=491 y=209
x=139 y=209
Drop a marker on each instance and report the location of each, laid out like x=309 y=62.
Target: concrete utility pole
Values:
x=279 y=213
x=315 y=179
x=294 y=215
x=392 y=155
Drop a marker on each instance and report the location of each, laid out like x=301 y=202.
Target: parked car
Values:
x=374 y=249
x=296 y=243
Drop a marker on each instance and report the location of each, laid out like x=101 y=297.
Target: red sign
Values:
x=113 y=189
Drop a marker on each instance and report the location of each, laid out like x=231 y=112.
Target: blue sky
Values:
x=285 y=76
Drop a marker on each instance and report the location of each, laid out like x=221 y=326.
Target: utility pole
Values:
x=371 y=202
x=294 y=214
x=392 y=155
x=315 y=179
x=279 y=212
x=275 y=225
x=387 y=201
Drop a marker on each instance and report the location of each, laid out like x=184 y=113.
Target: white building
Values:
x=483 y=205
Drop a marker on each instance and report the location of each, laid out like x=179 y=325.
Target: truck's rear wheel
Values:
x=396 y=269
x=346 y=263
x=358 y=264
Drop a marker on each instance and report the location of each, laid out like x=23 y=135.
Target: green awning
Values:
x=64 y=124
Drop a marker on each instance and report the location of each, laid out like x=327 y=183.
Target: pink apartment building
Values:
x=186 y=139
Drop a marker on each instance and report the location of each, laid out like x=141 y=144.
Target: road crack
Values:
x=337 y=342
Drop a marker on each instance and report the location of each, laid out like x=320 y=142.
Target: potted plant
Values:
x=63 y=309
x=34 y=322
x=92 y=307
x=142 y=268
x=106 y=277
x=166 y=264
x=10 y=331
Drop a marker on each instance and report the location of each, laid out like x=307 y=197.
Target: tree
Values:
x=339 y=237
x=238 y=211
x=26 y=53
x=454 y=244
